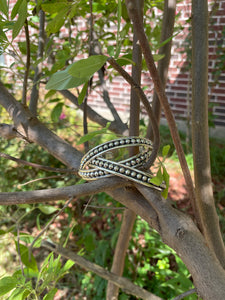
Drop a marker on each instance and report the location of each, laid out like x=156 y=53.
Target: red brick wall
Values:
x=178 y=87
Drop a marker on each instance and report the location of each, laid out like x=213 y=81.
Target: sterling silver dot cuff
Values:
x=94 y=166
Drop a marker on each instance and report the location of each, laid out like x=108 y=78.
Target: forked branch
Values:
x=132 y=7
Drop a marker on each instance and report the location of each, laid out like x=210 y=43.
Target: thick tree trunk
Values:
x=180 y=233
x=200 y=136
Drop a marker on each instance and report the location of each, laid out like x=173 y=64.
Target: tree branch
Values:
x=185 y=294
x=27 y=68
x=35 y=131
x=8 y=132
x=128 y=216
x=111 y=107
x=121 y=282
x=95 y=49
x=93 y=115
x=163 y=64
x=47 y=195
x=180 y=233
x=41 y=40
x=138 y=90
x=37 y=166
x=46 y=227
x=120 y=251
x=138 y=24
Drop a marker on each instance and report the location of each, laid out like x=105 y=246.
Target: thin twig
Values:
x=87 y=205
x=85 y=116
x=121 y=282
x=107 y=100
x=38 y=70
x=85 y=122
x=163 y=64
x=116 y=127
x=95 y=49
x=37 y=166
x=48 y=225
x=38 y=179
x=26 y=74
x=104 y=207
x=148 y=108
x=185 y=294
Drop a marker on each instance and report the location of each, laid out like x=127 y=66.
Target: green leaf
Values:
x=23 y=47
x=87 y=67
x=55 y=24
x=158 y=179
x=166 y=178
x=26 y=238
x=26 y=206
x=50 y=94
x=2 y=232
x=51 y=294
x=4 y=7
x=3 y=36
x=125 y=60
x=54 y=7
x=56 y=112
x=21 y=19
x=24 y=252
x=89 y=136
x=125 y=15
x=16 y=8
x=89 y=242
x=110 y=50
x=62 y=80
x=165 y=150
x=7 y=284
x=157 y=57
x=68 y=265
x=19 y=294
x=97 y=7
x=47 y=209
x=82 y=93
x=28 y=272
x=44 y=267
x=167 y=40
x=19 y=277
x=38 y=222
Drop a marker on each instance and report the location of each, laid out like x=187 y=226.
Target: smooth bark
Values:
x=163 y=64
x=200 y=135
x=180 y=233
x=30 y=127
x=65 y=193
x=128 y=216
x=38 y=70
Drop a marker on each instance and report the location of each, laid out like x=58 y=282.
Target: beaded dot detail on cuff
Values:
x=94 y=166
